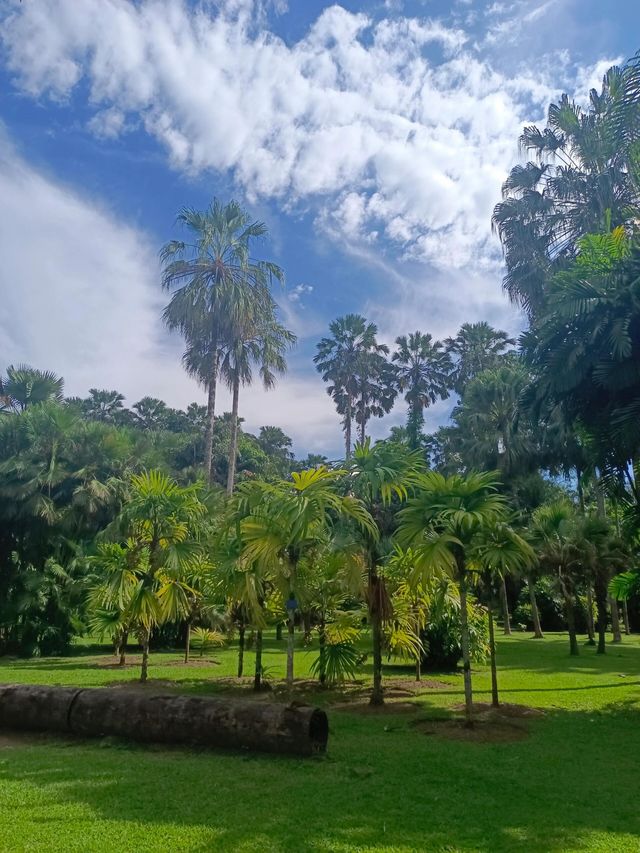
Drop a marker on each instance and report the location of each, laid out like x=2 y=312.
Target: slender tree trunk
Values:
x=290 y=651
x=123 y=648
x=211 y=414
x=306 y=622
x=600 y=588
x=580 y=490
x=347 y=428
x=625 y=617
x=322 y=642
x=233 y=449
x=377 y=696
x=495 y=701
x=615 y=621
x=535 y=613
x=363 y=425
x=464 y=636
x=590 y=626
x=279 y=631
x=240 y=650
x=418 y=656
x=187 y=642
x=145 y=655
x=257 y=678
x=505 y=606
x=571 y=620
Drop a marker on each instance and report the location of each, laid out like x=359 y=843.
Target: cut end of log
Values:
x=318 y=731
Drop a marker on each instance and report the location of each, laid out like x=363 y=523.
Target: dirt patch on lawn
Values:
x=506 y=724
x=135 y=662
x=415 y=687
x=362 y=706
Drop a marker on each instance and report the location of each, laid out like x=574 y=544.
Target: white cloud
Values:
x=83 y=299
x=396 y=133
x=354 y=115
x=296 y=294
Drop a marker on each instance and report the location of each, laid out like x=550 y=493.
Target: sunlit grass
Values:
x=383 y=785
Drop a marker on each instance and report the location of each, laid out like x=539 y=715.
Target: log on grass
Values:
x=138 y=715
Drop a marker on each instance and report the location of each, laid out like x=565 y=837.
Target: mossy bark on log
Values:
x=138 y=715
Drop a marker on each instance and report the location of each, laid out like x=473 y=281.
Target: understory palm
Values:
x=446 y=523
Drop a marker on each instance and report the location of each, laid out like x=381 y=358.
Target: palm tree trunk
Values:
x=419 y=655
x=123 y=648
x=571 y=620
x=322 y=642
x=290 y=651
x=257 y=678
x=600 y=588
x=535 y=613
x=233 y=449
x=377 y=697
x=347 y=427
x=505 y=606
x=145 y=655
x=240 y=651
x=495 y=701
x=625 y=617
x=187 y=642
x=211 y=416
x=615 y=621
x=464 y=636
x=363 y=425
x=590 y=626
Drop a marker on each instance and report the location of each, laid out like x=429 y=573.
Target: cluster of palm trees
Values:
x=364 y=382
x=380 y=537
x=223 y=306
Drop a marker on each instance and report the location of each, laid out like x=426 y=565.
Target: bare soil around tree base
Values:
x=506 y=724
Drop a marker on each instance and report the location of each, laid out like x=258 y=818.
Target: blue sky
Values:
x=372 y=137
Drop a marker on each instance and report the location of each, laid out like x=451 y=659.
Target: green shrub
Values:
x=441 y=636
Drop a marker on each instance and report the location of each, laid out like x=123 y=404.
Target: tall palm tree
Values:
x=476 y=347
x=102 y=405
x=446 y=524
x=215 y=281
x=380 y=475
x=423 y=370
x=150 y=413
x=555 y=534
x=493 y=432
x=351 y=360
x=258 y=338
x=24 y=386
x=584 y=348
x=584 y=179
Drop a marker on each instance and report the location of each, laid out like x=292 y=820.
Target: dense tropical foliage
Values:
x=156 y=525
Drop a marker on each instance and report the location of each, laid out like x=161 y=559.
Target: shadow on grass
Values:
x=383 y=786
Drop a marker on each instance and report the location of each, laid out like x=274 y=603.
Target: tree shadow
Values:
x=383 y=785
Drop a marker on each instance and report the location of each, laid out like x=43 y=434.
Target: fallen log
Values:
x=167 y=718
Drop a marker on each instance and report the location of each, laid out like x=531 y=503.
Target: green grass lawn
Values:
x=384 y=785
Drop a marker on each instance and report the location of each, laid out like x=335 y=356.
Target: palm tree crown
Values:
x=423 y=371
